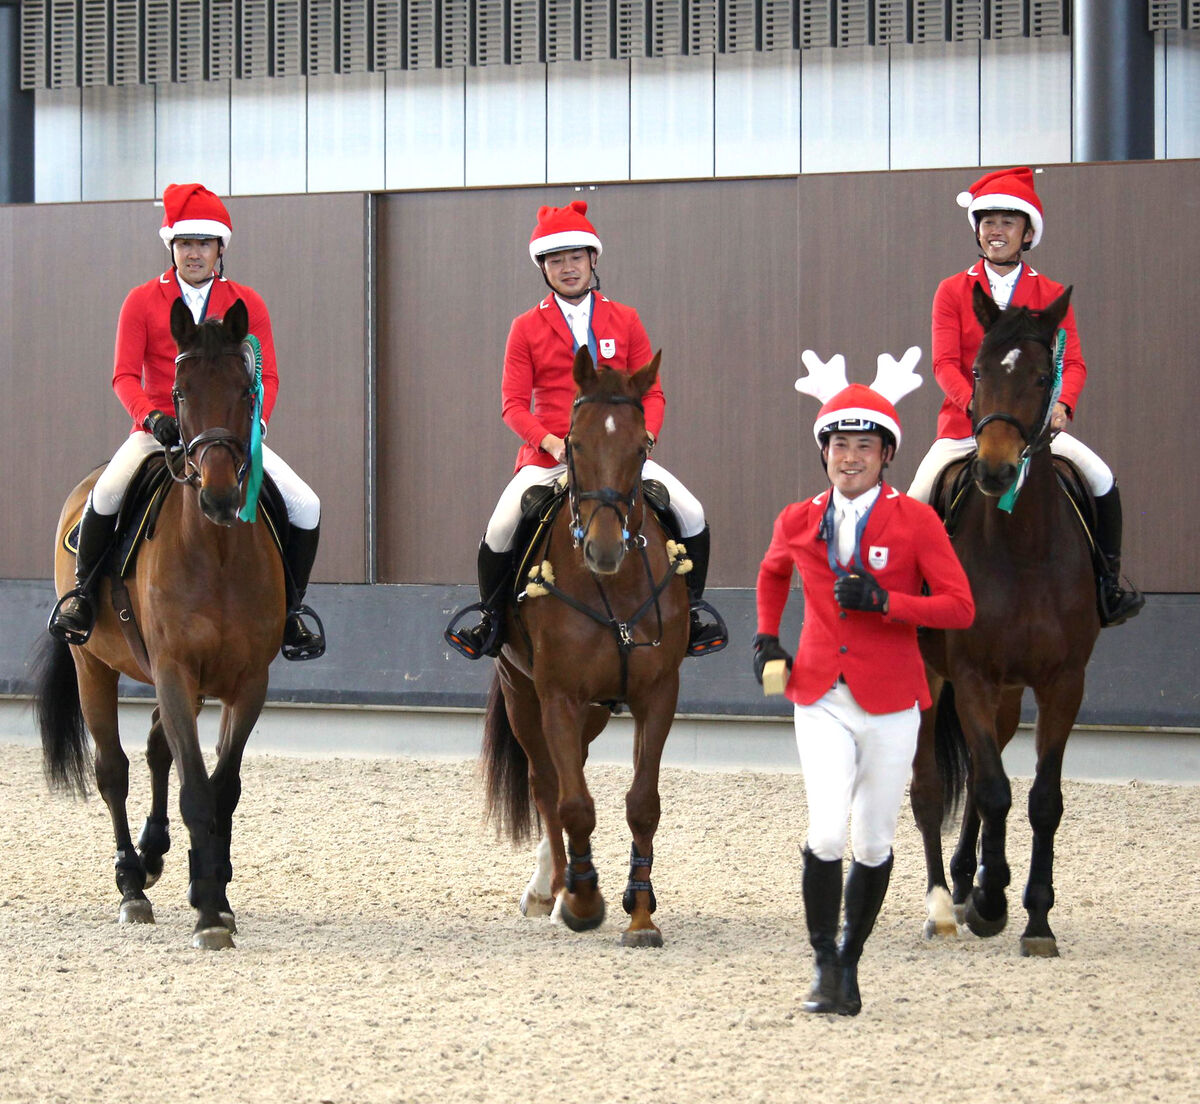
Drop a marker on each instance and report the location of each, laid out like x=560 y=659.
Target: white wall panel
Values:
x=671 y=117
x=757 y=123
x=1182 y=138
x=587 y=121
x=506 y=125
x=56 y=146
x=267 y=136
x=191 y=123
x=118 y=143
x=1160 y=95
x=844 y=110
x=1024 y=101
x=346 y=133
x=424 y=128
x=934 y=117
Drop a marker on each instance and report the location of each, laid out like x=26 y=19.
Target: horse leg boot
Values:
x=74 y=616
x=866 y=887
x=703 y=636
x=495 y=571
x=822 y=884
x=299 y=552
x=1116 y=605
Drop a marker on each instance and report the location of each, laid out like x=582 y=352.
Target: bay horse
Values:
x=1036 y=622
x=602 y=622
x=207 y=594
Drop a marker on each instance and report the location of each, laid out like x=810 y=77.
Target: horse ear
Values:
x=237 y=322
x=1053 y=315
x=985 y=307
x=183 y=325
x=584 y=370
x=643 y=379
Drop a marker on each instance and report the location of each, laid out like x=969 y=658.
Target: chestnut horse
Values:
x=602 y=622
x=208 y=597
x=1036 y=622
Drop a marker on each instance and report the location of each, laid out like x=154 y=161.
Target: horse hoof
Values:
x=642 y=937
x=940 y=929
x=960 y=913
x=212 y=939
x=580 y=923
x=136 y=911
x=981 y=925
x=534 y=904
x=229 y=922
x=1039 y=946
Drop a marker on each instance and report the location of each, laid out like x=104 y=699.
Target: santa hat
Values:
x=856 y=408
x=192 y=211
x=563 y=228
x=1005 y=190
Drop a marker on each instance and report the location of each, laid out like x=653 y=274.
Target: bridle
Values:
x=184 y=462
x=1035 y=438
x=607 y=496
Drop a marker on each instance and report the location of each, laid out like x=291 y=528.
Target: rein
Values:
x=606 y=496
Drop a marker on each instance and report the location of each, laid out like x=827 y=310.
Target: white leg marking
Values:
x=535 y=901
x=939 y=908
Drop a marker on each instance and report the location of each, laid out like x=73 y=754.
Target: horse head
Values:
x=1013 y=387
x=606 y=447
x=214 y=403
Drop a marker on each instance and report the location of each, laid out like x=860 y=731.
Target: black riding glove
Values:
x=860 y=592
x=767 y=648
x=163 y=427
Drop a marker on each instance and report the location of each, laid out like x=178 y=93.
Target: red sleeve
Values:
x=130 y=355
x=952 y=374
x=516 y=388
x=260 y=326
x=949 y=604
x=774 y=580
x=654 y=402
x=1074 y=369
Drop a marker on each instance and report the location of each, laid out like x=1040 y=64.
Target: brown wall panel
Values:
x=63 y=275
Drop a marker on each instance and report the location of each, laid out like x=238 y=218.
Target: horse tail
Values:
x=505 y=771
x=66 y=752
x=950 y=750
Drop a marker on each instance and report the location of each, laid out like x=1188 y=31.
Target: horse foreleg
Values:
x=98 y=701
x=155 y=840
x=929 y=811
x=1057 y=708
x=208 y=858
x=538 y=900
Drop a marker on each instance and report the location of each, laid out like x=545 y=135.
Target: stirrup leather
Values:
x=313 y=649
x=66 y=633
x=465 y=644
x=712 y=637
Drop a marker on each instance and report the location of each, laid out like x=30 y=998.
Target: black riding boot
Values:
x=703 y=636
x=822 y=882
x=866 y=887
x=1116 y=605
x=299 y=641
x=74 y=616
x=495 y=571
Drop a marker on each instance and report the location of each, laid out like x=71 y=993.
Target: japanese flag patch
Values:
x=877 y=557
x=608 y=347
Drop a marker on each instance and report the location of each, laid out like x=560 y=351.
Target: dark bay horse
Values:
x=603 y=620
x=208 y=597
x=1036 y=622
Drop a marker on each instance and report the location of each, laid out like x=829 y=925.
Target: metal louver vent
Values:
x=703 y=24
x=221 y=39
x=33 y=44
x=815 y=24
x=666 y=28
x=966 y=20
x=158 y=47
x=595 y=17
x=1006 y=19
x=320 y=39
x=778 y=31
x=489 y=37
x=420 y=42
x=1193 y=19
x=853 y=23
x=524 y=26
x=929 y=21
x=455 y=39
x=64 y=45
x=189 y=40
x=1166 y=15
x=254 y=40
x=1046 y=18
x=560 y=30
x=287 y=43
x=353 y=36
x=738 y=30
x=891 y=22
x=94 y=37
x=387 y=49
x=629 y=38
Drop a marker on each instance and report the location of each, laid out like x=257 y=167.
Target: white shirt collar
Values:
x=859 y=505
x=194 y=297
x=573 y=310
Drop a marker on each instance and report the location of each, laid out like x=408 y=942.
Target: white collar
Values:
x=1007 y=280
x=582 y=309
x=859 y=505
x=190 y=292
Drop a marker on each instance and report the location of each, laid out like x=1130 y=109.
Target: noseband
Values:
x=1034 y=439
x=185 y=468
x=606 y=496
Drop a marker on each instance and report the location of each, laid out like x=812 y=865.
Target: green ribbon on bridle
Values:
x=1009 y=499
x=249 y=511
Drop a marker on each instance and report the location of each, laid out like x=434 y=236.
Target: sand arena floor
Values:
x=381 y=956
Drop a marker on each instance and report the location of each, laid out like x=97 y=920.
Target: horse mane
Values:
x=609 y=384
x=209 y=339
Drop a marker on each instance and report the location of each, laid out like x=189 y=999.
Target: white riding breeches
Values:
x=303 y=505
x=502 y=527
x=855 y=766
x=1096 y=473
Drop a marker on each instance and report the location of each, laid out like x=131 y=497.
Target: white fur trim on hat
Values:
x=864 y=413
x=998 y=201
x=195 y=228
x=564 y=239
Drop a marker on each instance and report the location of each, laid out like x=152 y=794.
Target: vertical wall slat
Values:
x=595 y=29
x=287 y=39
x=320 y=39
x=455 y=38
x=95 y=35
x=524 y=31
x=190 y=18
x=387 y=43
x=64 y=44
x=254 y=39
x=703 y=24
x=353 y=32
x=966 y=20
x=929 y=21
x=815 y=20
x=488 y=37
x=891 y=23
x=222 y=40
x=560 y=30
x=34 y=44
x=1006 y=19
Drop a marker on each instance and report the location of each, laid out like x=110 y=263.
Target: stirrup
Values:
x=66 y=633
x=708 y=638
x=315 y=648
x=463 y=640
x=1119 y=606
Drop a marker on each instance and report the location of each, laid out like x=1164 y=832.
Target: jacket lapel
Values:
x=550 y=313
